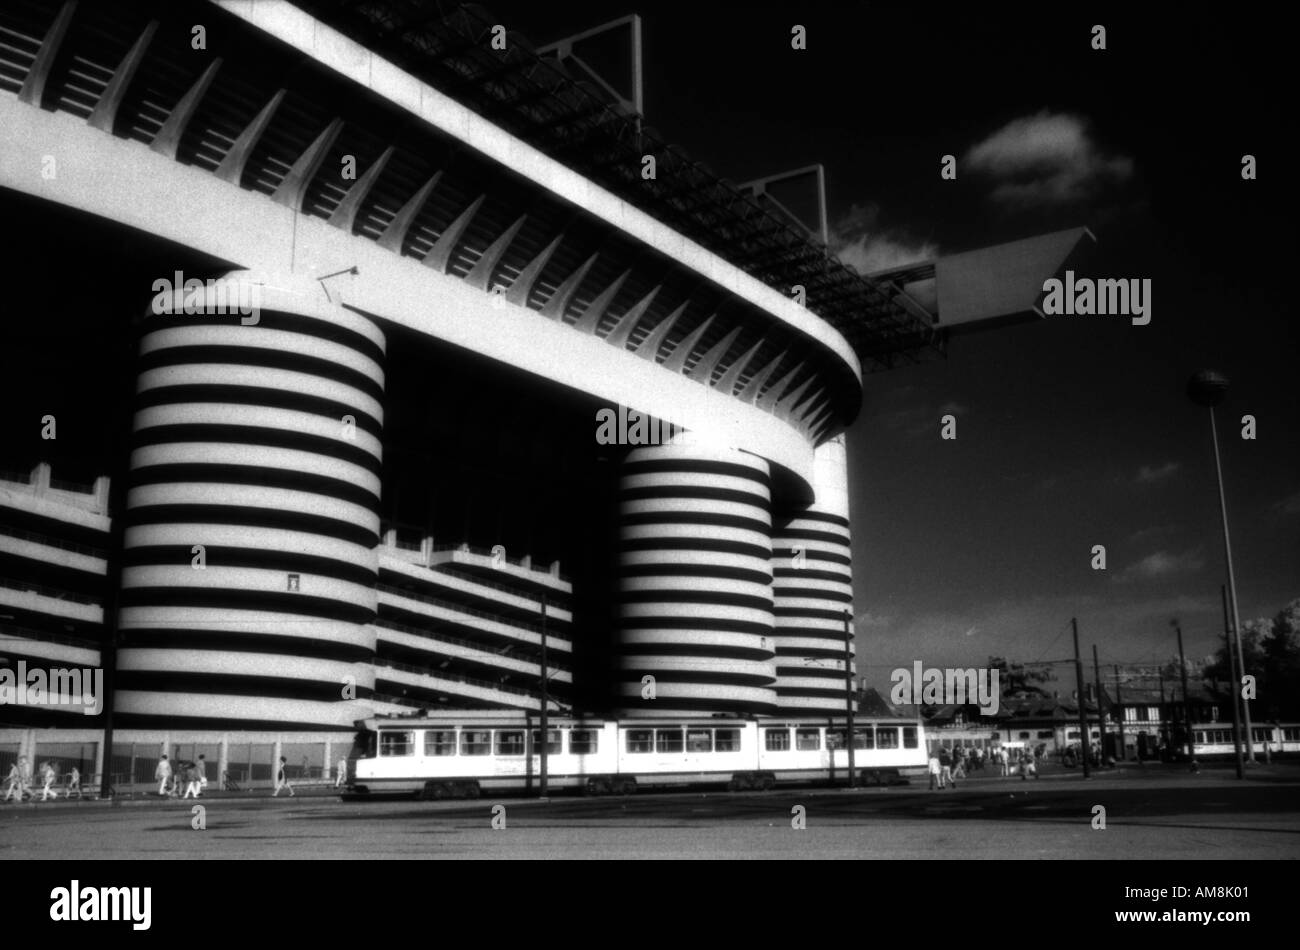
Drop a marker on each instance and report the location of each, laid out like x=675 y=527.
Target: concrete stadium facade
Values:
x=249 y=586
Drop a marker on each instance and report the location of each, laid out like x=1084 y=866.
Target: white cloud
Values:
x=859 y=240
x=1045 y=159
x=1163 y=564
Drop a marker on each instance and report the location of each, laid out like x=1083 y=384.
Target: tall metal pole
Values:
x=546 y=701
x=1123 y=749
x=1232 y=596
x=1101 y=716
x=848 y=695
x=1083 y=716
x=1235 y=685
x=1187 y=700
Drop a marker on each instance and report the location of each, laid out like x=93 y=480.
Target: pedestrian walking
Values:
x=14 y=781
x=945 y=768
x=341 y=773
x=203 y=775
x=189 y=773
x=74 y=783
x=163 y=773
x=47 y=775
x=935 y=778
x=282 y=780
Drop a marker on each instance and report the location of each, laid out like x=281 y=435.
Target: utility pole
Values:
x=1235 y=684
x=848 y=694
x=1208 y=388
x=546 y=701
x=1187 y=701
x=1083 y=716
x=1101 y=716
x=1123 y=749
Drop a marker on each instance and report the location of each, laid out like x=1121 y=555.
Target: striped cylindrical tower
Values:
x=250 y=552
x=695 y=582
x=814 y=587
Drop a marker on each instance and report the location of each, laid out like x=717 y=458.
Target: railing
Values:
x=504 y=588
x=43 y=636
x=52 y=542
x=453 y=677
x=458 y=608
x=487 y=552
x=457 y=641
x=55 y=593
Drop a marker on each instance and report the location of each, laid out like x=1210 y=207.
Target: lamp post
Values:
x=1208 y=388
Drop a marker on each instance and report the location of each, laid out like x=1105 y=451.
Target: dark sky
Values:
x=1072 y=431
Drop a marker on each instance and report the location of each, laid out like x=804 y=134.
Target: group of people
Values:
x=946 y=766
x=18 y=784
x=193 y=774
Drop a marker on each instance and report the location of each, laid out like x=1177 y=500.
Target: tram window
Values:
x=835 y=739
x=887 y=738
x=1025 y=735
x=553 y=742
x=440 y=742
x=726 y=740
x=863 y=739
x=776 y=740
x=909 y=737
x=510 y=743
x=1200 y=738
x=640 y=740
x=1047 y=733
x=1262 y=735
x=397 y=743
x=699 y=740
x=476 y=742
x=1291 y=733
x=807 y=740
x=668 y=740
x=584 y=741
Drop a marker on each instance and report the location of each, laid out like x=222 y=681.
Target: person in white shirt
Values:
x=163 y=774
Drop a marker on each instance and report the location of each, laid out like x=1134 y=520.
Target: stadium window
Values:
x=1023 y=735
x=584 y=741
x=887 y=738
x=668 y=740
x=553 y=743
x=807 y=740
x=440 y=742
x=1044 y=733
x=909 y=737
x=397 y=743
x=726 y=740
x=776 y=740
x=640 y=740
x=699 y=740
x=476 y=742
x=510 y=743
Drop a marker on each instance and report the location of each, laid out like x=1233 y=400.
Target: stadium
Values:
x=384 y=489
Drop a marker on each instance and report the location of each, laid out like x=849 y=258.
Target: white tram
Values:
x=465 y=753
x=1213 y=739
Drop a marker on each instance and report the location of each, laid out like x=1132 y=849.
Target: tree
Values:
x=1271 y=648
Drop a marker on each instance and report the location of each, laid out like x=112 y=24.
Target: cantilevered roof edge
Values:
x=330 y=48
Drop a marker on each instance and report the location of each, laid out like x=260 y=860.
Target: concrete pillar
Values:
x=813 y=580
x=326 y=453
x=695 y=581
